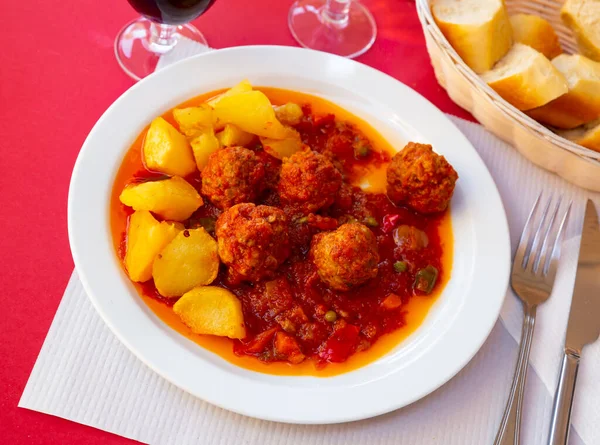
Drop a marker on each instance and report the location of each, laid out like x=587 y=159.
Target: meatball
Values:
x=252 y=240
x=309 y=181
x=421 y=179
x=233 y=175
x=346 y=257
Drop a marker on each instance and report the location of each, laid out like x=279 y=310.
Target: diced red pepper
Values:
x=389 y=222
x=340 y=344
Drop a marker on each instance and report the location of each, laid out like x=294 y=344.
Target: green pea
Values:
x=400 y=266
x=330 y=316
x=371 y=221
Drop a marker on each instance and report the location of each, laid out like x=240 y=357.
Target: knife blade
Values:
x=583 y=326
x=584 y=317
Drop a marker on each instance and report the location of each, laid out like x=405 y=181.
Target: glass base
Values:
x=314 y=28
x=138 y=47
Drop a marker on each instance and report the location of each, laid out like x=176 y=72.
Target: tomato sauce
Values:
x=369 y=320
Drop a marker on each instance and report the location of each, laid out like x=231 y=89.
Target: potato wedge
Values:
x=166 y=150
x=188 y=261
x=211 y=310
x=232 y=136
x=289 y=114
x=203 y=145
x=242 y=87
x=192 y=120
x=283 y=148
x=146 y=237
x=173 y=199
x=252 y=112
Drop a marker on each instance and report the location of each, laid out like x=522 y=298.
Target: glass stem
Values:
x=162 y=37
x=336 y=13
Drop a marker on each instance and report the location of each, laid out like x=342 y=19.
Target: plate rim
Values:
x=74 y=240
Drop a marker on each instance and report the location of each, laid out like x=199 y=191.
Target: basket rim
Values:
x=511 y=112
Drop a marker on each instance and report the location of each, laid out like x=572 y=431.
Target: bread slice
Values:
x=583 y=17
x=587 y=135
x=582 y=103
x=534 y=31
x=478 y=30
x=526 y=78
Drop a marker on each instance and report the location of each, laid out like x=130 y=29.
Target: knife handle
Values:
x=563 y=400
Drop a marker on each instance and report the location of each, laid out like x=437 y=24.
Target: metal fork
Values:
x=533 y=273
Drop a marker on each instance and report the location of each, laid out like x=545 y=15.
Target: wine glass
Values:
x=140 y=43
x=343 y=27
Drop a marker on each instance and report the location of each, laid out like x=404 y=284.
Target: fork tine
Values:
x=552 y=265
x=524 y=240
x=545 y=250
x=535 y=251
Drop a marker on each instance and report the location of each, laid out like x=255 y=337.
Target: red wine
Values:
x=171 y=12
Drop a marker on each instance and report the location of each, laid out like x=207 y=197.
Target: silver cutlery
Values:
x=533 y=273
x=583 y=326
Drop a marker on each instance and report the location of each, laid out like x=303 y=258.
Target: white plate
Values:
x=453 y=331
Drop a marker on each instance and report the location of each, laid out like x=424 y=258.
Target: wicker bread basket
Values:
x=541 y=146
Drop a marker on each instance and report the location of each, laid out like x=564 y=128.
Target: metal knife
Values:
x=583 y=327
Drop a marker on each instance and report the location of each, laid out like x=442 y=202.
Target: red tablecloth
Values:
x=58 y=75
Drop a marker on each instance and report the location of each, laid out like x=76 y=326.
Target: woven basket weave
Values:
x=541 y=146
